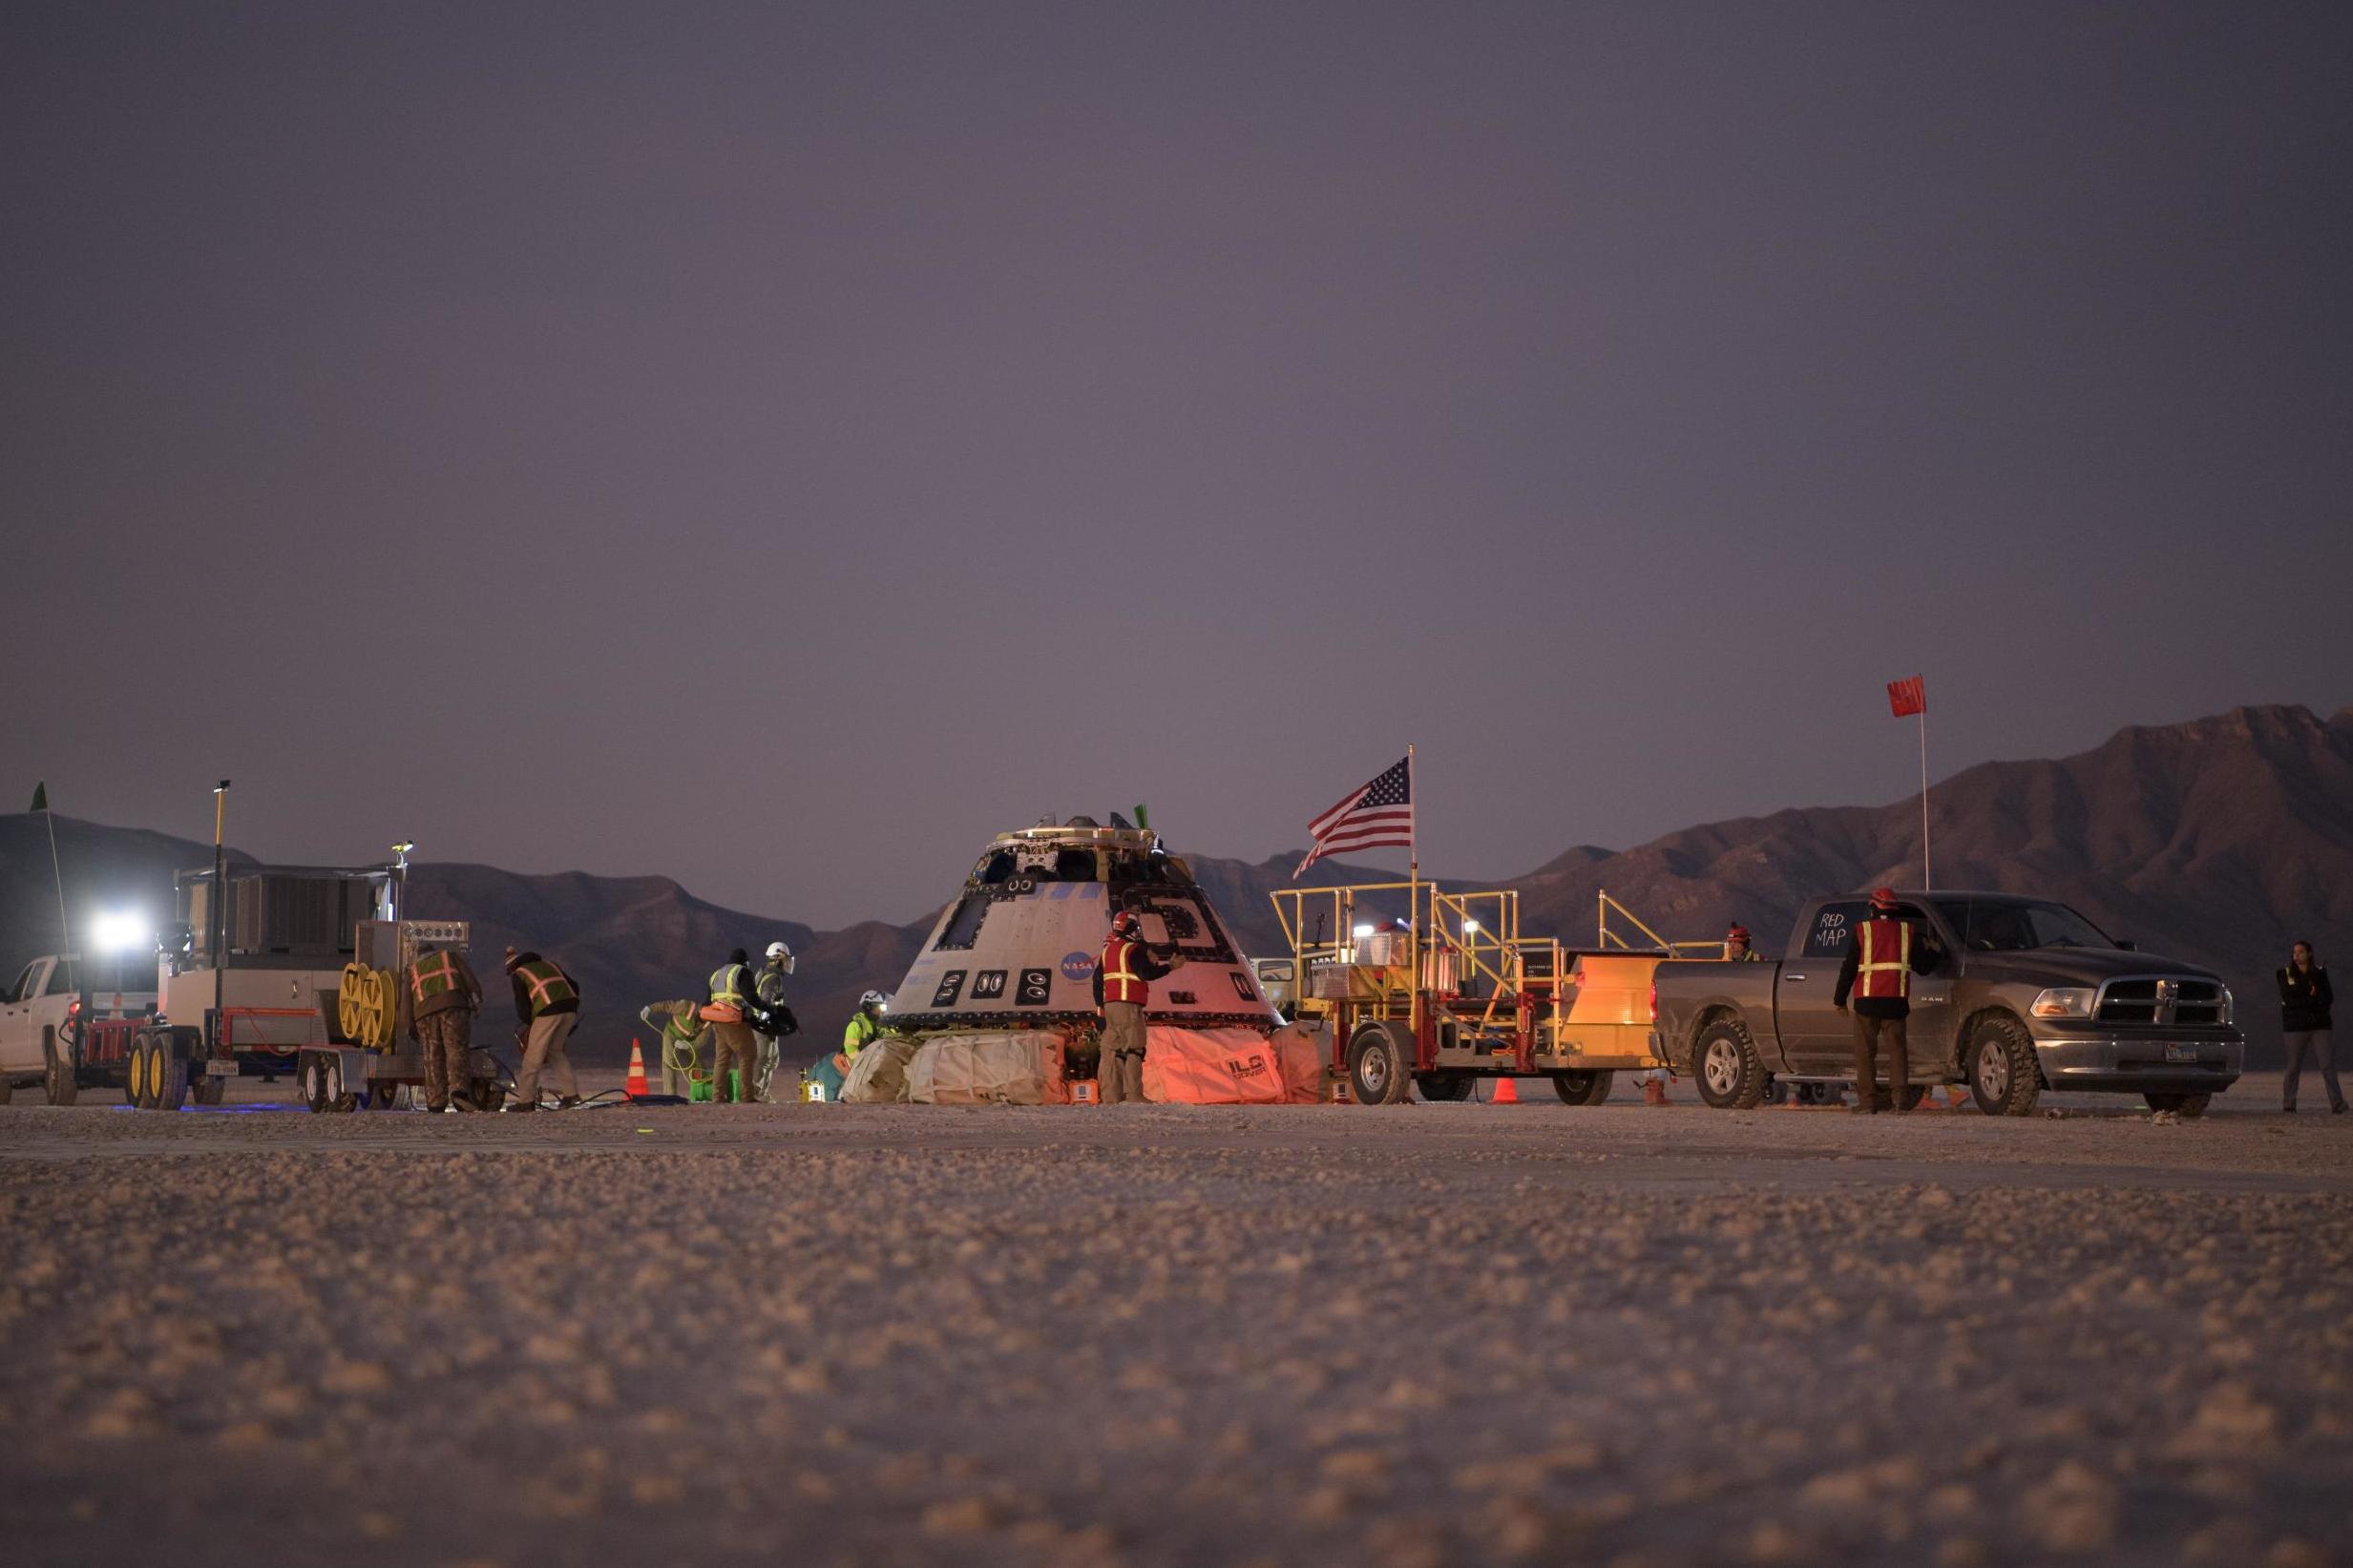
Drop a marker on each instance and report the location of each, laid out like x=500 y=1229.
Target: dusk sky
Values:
x=779 y=448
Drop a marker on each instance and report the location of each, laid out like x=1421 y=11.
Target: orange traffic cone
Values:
x=1507 y=1091
x=1655 y=1093
x=636 y=1088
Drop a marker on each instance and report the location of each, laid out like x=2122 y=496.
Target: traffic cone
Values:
x=1507 y=1091
x=1655 y=1093
x=636 y=1088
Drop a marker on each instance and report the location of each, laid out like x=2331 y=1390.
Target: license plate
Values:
x=221 y=1069
x=2182 y=1052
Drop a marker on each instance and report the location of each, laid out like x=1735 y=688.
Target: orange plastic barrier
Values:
x=1211 y=1067
x=1299 y=1051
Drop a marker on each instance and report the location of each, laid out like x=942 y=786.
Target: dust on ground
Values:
x=1408 y=1337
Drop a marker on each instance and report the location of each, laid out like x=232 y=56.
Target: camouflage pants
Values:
x=734 y=1047
x=448 y=1038
x=1118 y=1076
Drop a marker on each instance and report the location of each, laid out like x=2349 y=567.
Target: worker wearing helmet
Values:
x=1124 y=976
x=548 y=1002
x=734 y=1047
x=442 y=996
x=776 y=1018
x=1886 y=953
x=864 y=1024
x=1738 y=947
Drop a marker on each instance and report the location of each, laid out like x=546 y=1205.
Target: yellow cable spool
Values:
x=365 y=1006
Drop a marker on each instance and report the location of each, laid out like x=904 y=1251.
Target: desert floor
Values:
x=1404 y=1337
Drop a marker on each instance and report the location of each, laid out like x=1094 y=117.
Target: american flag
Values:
x=1908 y=697
x=1380 y=813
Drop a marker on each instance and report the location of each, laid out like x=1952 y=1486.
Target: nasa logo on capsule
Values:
x=1077 y=966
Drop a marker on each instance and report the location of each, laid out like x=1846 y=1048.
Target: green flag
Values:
x=40 y=796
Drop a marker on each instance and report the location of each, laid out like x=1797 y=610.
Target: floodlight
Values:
x=121 y=931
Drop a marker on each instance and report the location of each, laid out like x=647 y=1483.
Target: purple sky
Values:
x=779 y=448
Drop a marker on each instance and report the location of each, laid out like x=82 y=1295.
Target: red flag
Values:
x=1908 y=697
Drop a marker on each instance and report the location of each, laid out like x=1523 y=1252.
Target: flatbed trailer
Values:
x=1451 y=991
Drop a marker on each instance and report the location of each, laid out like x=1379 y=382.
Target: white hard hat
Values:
x=777 y=950
x=873 y=998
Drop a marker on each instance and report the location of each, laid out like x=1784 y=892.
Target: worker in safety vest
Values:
x=1738 y=948
x=734 y=1047
x=683 y=1036
x=1124 y=976
x=1886 y=953
x=443 y=997
x=775 y=1016
x=864 y=1024
x=548 y=1003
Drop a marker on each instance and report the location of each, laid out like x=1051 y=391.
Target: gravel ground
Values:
x=1146 y=1335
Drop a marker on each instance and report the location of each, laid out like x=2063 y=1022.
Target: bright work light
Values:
x=121 y=931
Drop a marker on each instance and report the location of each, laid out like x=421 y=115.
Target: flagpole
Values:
x=1413 y=907
x=65 y=927
x=1927 y=883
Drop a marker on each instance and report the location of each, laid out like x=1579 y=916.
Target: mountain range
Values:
x=2218 y=840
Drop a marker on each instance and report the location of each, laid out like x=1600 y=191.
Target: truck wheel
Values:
x=340 y=1100
x=57 y=1063
x=167 y=1076
x=135 y=1073
x=2183 y=1105
x=1440 y=1087
x=2002 y=1072
x=310 y=1083
x=209 y=1090
x=1584 y=1088
x=1732 y=1076
x=1380 y=1063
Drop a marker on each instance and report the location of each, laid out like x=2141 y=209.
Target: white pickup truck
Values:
x=54 y=996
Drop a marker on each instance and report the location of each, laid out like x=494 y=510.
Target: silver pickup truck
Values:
x=2029 y=996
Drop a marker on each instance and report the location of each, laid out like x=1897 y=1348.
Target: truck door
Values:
x=1817 y=1037
x=1929 y=1034
x=20 y=1042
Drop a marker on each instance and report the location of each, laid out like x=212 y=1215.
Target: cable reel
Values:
x=367 y=1005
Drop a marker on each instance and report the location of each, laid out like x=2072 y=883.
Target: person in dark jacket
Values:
x=1881 y=961
x=2304 y=1002
x=547 y=1001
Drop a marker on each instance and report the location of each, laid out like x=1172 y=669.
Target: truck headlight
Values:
x=2065 y=1002
x=2222 y=1009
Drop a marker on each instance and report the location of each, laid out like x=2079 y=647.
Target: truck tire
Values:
x=2000 y=1057
x=57 y=1063
x=310 y=1081
x=2183 y=1105
x=138 y=1074
x=1380 y=1063
x=1438 y=1088
x=168 y=1076
x=1585 y=1087
x=1729 y=1074
x=209 y=1090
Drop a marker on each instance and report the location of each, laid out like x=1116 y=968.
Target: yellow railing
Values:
x=1607 y=939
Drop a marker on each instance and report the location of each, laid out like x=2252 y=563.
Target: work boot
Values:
x=521 y=1107
x=1863 y=1107
x=570 y=1103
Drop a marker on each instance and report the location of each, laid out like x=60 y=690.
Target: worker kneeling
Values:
x=1124 y=976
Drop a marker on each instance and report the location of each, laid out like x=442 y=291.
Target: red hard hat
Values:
x=1738 y=932
x=1883 y=898
x=1124 y=922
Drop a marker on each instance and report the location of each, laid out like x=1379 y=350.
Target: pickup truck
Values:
x=2027 y=995
x=49 y=1003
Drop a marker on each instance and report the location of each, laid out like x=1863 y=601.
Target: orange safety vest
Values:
x=1120 y=983
x=1883 y=959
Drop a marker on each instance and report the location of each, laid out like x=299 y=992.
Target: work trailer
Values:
x=1419 y=987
